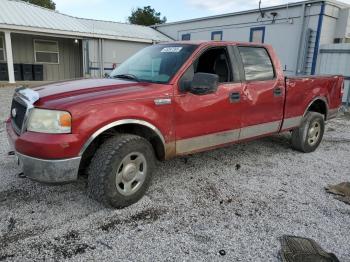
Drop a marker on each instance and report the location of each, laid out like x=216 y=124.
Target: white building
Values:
x=295 y=30
x=41 y=44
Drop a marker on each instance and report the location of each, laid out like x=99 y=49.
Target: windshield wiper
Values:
x=127 y=76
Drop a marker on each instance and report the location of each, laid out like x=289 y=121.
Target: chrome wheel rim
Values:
x=131 y=173
x=314 y=133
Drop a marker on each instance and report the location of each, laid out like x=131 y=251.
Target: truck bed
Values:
x=301 y=91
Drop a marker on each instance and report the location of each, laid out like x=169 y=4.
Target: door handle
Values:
x=235 y=97
x=277 y=91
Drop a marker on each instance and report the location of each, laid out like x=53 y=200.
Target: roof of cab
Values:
x=212 y=42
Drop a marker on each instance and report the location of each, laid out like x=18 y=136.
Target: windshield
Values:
x=156 y=64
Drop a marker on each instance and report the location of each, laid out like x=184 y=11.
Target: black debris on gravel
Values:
x=22 y=175
x=11 y=225
x=146 y=216
x=222 y=252
x=299 y=249
x=104 y=244
x=6 y=257
x=64 y=247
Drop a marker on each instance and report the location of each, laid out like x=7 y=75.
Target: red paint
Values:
x=95 y=103
x=206 y=114
x=302 y=90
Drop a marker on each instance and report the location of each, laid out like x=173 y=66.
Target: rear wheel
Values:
x=309 y=135
x=120 y=171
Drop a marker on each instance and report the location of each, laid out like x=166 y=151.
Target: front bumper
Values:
x=45 y=170
x=50 y=171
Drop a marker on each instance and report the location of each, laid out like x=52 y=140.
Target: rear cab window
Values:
x=257 y=63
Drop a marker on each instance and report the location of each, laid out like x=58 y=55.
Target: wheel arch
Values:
x=319 y=105
x=132 y=126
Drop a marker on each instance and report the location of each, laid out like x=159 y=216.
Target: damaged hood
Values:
x=61 y=94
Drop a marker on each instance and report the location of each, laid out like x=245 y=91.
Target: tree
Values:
x=145 y=16
x=44 y=3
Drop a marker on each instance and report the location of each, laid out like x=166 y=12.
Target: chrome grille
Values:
x=18 y=113
x=22 y=103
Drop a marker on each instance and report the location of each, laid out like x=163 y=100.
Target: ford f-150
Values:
x=168 y=100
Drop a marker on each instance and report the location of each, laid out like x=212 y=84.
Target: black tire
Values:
x=302 y=140
x=103 y=173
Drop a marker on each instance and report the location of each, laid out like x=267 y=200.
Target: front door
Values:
x=207 y=121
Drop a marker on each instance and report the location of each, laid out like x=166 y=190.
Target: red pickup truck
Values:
x=167 y=100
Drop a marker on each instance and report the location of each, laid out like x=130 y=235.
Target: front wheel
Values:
x=121 y=170
x=308 y=136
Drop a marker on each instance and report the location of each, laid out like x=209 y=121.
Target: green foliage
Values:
x=146 y=16
x=44 y=3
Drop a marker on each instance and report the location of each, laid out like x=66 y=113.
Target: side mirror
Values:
x=106 y=75
x=204 y=83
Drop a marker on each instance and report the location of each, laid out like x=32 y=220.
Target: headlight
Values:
x=49 y=121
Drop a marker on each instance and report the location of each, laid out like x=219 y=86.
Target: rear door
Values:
x=207 y=121
x=263 y=93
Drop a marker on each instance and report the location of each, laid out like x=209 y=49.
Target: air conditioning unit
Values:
x=343 y=24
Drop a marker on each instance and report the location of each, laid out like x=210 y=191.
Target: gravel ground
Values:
x=239 y=199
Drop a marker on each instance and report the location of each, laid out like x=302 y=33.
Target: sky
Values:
x=174 y=10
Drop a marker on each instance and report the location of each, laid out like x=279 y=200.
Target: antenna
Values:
x=261 y=11
x=274 y=14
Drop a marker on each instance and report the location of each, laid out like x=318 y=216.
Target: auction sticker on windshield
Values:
x=171 y=49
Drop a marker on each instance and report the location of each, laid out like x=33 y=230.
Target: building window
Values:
x=46 y=51
x=257 y=35
x=257 y=63
x=216 y=36
x=2 y=49
x=186 y=37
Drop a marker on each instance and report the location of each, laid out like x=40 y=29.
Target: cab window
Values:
x=213 y=61
x=257 y=63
